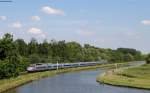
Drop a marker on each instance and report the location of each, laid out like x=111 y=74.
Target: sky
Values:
x=102 y=23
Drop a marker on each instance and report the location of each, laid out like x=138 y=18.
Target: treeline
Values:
x=148 y=59
x=16 y=55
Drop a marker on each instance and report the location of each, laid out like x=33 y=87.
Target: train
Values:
x=49 y=66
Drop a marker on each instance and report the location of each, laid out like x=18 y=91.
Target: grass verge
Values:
x=137 y=77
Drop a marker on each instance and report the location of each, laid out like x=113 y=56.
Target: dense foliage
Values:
x=16 y=55
x=148 y=59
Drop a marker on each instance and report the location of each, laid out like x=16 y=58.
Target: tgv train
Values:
x=48 y=66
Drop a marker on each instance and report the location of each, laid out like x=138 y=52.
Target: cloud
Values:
x=146 y=22
x=3 y=18
x=35 y=31
x=85 y=32
x=35 y=18
x=17 y=25
x=53 y=11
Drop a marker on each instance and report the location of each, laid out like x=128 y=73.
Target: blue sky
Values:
x=102 y=23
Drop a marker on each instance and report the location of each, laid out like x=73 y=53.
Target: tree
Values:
x=21 y=47
x=16 y=55
x=6 y=46
x=34 y=58
x=33 y=46
x=9 y=59
x=73 y=50
x=148 y=59
x=128 y=57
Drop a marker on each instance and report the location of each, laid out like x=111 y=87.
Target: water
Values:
x=79 y=82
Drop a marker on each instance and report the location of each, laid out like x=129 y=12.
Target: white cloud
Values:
x=35 y=31
x=17 y=25
x=146 y=22
x=50 y=10
x=35 y=18
x=85 y=32
x=3 y=18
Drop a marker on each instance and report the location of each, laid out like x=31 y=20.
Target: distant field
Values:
x=138 y=77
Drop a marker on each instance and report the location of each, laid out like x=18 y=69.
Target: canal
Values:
x=77 y=82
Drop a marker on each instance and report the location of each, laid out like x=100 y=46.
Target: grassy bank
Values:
x=138 y=77
x=7 y=84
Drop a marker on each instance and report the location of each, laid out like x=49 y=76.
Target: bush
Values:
x=24 y=63
x=8 y=69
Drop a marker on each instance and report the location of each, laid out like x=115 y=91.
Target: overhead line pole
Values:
x=57 y=65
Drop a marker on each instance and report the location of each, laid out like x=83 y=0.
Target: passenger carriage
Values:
x=49 y=66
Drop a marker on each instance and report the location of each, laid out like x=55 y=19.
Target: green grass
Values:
x=138 y=77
